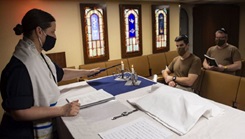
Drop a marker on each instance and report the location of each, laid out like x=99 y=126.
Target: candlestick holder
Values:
x=122 y=74
x=134 y=78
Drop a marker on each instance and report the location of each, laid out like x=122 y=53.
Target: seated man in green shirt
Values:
x=184 y=70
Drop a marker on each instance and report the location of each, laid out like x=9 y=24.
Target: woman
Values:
x=29 y=82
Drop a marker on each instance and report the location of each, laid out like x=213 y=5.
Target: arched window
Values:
x=160 y=27
x=184 y=22
x=131 y=40
x=94 y=29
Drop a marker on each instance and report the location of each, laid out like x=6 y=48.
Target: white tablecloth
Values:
x=229 y=125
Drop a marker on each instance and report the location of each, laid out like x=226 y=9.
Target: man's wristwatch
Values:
x=174 y=78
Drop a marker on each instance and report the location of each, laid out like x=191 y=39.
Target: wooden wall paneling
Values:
x=59 y=58
x=207 y=19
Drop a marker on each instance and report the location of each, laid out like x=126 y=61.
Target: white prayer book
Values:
x=92 y=98
x=140 y=128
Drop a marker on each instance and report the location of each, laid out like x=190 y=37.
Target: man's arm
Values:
x=168 y=79
x=233 y=67
x=166 y=75
x=205 y=64
x=187 y=81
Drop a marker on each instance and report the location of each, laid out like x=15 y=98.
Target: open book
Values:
x=92 y=98
x=141 y=128
x=211 y=61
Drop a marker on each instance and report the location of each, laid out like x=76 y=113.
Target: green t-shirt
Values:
x=226 y=56
x=190 y=65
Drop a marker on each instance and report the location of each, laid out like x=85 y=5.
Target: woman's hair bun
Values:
x=18 y=29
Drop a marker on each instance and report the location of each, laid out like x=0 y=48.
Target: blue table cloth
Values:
x=114 y=87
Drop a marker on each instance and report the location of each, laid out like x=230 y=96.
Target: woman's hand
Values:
x=94 y=70
x=71 y=109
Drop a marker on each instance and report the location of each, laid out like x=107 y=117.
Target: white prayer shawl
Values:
x=45 y=90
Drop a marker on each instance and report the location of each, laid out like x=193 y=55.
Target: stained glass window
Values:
x=94 y=28
x=160 y=28
x=130 y=17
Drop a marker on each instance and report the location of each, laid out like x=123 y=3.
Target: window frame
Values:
x=124 y=52
x=87 y=59
x=154 y=35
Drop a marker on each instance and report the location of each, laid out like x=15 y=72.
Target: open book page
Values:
x=92 y=98
x=211 y=61
x=141 y=128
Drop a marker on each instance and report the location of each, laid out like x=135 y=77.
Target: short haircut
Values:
x=222 y=31
x=182 y=38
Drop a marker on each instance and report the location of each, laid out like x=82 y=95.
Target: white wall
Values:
x=67 y=14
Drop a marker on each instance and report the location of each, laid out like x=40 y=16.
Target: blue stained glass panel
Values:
x=131 y=23
x=95 y=27
x=161 y=24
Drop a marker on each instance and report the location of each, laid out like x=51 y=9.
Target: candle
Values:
x=132 y=69
x=122 y=65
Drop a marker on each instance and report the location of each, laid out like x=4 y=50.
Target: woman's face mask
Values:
x=49 y=42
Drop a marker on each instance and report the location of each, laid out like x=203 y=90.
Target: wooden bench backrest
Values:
x=157 y=63
x=141 y=65
x=220 y=87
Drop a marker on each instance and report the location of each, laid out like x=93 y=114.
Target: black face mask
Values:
x=49 y=43
x=181 y=51
x=220 y=42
